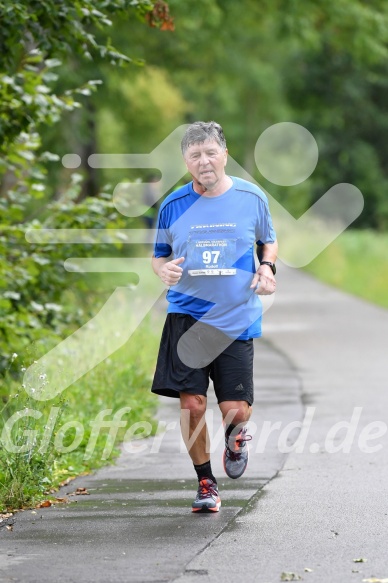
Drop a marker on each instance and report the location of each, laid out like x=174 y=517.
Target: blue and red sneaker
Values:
x=208 y=499
x=236 y=454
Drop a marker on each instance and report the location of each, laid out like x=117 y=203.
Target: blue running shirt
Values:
x=217 y=236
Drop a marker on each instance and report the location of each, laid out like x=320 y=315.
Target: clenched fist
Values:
x=171 y=272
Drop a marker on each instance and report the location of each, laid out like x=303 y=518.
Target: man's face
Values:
x=206 y=163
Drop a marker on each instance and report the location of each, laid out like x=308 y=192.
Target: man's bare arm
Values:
x=264 y=275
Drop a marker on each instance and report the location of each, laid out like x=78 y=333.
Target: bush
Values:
x=33 y=281
x=41 y=304
x=60 y=439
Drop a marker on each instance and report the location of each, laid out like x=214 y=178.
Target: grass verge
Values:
x=46 y=442
x=356 y=262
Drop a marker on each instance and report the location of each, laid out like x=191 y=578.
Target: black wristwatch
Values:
x=272 y=265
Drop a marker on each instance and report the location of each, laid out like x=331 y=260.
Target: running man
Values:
x=208 y=233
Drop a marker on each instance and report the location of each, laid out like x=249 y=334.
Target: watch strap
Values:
x=271 y=265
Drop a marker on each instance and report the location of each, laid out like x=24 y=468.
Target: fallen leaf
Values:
x=9 y=527
x=375 y=580
x=307 y=570
x=360 y=560
x=80 y=492
x=290 y=577
x=44 y=504
x=67 y=481
x=62 y=500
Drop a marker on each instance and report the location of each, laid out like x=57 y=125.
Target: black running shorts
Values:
x=231 y=371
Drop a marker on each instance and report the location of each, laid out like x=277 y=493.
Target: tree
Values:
x=320 y=63
x=34 y=36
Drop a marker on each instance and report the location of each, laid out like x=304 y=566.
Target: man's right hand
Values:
x=171 y=272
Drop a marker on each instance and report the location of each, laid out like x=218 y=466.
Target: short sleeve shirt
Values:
x=217 y=236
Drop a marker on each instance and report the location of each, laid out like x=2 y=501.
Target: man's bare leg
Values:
x=193 y=427
x=235 y=412
x=196 y=438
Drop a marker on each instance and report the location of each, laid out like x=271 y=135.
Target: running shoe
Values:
x=207 y=499
x=236 y=455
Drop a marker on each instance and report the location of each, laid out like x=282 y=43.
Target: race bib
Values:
x=209 y=254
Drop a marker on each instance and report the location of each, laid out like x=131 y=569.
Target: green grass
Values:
x=356 y=262
x=122 y=380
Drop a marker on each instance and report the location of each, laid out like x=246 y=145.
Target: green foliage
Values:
x=40 y=303
x=26 y=475
x=35 y=38
x=33 y=280
x=156 y=108
x=147 y=102
x=318 y=63
x=61 y=27
x=27 y=102
x=44 y=434
x=34 y=35
x=340 y=100
x=132 y=112
x=321 y=64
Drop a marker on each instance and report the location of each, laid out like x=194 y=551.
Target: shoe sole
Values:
x=207 y=509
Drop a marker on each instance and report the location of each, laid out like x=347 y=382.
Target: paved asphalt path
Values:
x=324 y=359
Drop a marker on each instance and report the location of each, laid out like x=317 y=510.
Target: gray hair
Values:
x=200 y=131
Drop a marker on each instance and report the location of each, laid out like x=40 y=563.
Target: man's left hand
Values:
x=263 y=281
